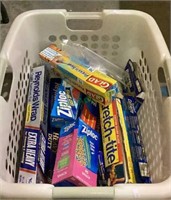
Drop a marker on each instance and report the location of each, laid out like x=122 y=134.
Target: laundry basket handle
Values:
x=84 y=21
x=87 y=20
x=3 y=70
x=167 y=70
x=6 y=77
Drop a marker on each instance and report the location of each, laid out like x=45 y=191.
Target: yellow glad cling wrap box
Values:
x=94 y=84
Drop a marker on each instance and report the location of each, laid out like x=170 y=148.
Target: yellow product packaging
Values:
x=94 y=84
x=128 y=157
x=112 y=145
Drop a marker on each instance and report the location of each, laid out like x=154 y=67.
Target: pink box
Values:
x=68 y=168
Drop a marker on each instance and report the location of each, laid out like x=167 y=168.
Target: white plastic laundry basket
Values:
x=118 y=35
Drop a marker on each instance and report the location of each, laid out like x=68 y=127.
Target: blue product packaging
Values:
x=53 y=140
x=53 y=133
x=35 y=127
x=141 y=170
x=66 y=105
x=102 y=179
x=54 y=86
x=91 y=142
x=133 y=82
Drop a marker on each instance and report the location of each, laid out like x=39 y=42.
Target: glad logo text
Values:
x=99 y=82
x=95 y=96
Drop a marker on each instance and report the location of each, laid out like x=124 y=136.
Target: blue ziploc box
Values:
x=66 y=105
x=130 y=108
x=53 y=133
x=133 y=82
x=35 y=126
x=55 y=82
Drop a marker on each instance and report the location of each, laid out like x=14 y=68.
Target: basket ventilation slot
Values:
x=149 y=125
x=18 y=116
x=104 y=45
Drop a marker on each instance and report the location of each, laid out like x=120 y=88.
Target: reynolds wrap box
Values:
x=28 y=171
x=112 y=144
x=66 y=105
x=130 y=108
x=94 y=84
x=90 y=112
x=77 y=155
x=35 y=126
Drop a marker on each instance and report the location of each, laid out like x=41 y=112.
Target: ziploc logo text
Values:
x=36 y=94
x=99 y=82
x=67 y=128
x=88 y=132
x=64 y=108
x=109 y=135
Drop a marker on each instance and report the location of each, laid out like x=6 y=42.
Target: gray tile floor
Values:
x=160 y=10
